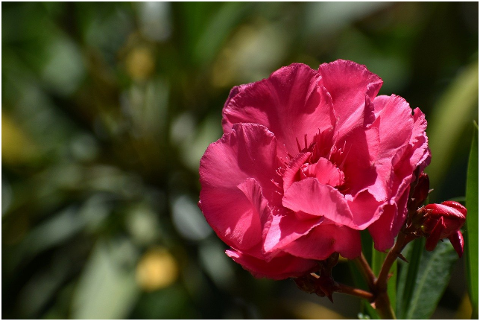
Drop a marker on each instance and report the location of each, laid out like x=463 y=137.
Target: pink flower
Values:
x=444 y=221
x=308 y=159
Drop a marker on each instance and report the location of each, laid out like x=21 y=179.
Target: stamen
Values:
x=277 y=184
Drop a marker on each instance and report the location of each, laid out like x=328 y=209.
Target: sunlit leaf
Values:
x=106 y=290
x=451 y=115
x=471 y=234
x=217 y=30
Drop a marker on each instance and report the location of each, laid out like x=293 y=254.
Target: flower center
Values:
x=324 y=171
x=319 y=160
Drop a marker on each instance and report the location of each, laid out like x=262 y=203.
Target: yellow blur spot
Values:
x=465 y=309
x=310 y=310
x=157 y=269
x=140 y=63
x=16 y=145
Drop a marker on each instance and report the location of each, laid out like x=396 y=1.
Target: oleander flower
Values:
x=309 y=158
x=441 y=221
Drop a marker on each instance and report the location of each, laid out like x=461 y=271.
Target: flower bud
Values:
x=420 y=191
x=443 y=221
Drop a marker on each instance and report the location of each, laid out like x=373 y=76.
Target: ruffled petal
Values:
x=395 y=124
x=386 y=228
x=326 y=239
x=311 y=197
x=289 y=103
x=421 y=155
x=325 y=172
x=233 y=216
x=286 y=228
x=381 y=230
x=280 y=267
x=356 y=162
x=235 y=174
x=349 y=84
x=366 y=208
x=249 y=150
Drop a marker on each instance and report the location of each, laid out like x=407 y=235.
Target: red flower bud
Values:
x=420 y=191
x=444 y=221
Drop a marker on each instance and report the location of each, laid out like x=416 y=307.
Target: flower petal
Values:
x=248 y=150
x=286 y=228
x=381 y=229
x=395 y=124
x=385 y=229
x=325 y=239
x=281 y=267
x=457 y=241
x=289 y=103
x=349 y=84
x=419 y=141
x=356 y=163
x=292 y=169
x=311 y=197
x=237 y=206
x=325 y=172
x=366 y=208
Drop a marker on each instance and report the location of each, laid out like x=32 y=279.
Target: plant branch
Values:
x=393 y=254
x=382 y=301
x=342 y=288
x=366 y=270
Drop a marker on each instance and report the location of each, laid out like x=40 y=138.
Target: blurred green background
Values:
x=108 y=107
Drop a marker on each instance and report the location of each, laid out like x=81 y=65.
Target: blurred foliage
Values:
x=108 y=107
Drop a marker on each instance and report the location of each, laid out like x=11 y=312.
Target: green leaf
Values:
x=408 y=274
x=392 y=285
x=366 y=310
x=377 y=261
x=431 y=280
x=367 y=245
x=451 y=115
x=106 y=289
x=218 y=28
x=471 y=234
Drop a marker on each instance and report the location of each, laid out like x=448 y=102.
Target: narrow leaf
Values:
x=431 y=280
x=449 y=119
x=408 y=275
x=471 y=234
x=392 y=285
x=359 y=280
x=377 y=261
x=106 y=290
x=367 y=245
x=366 y=310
